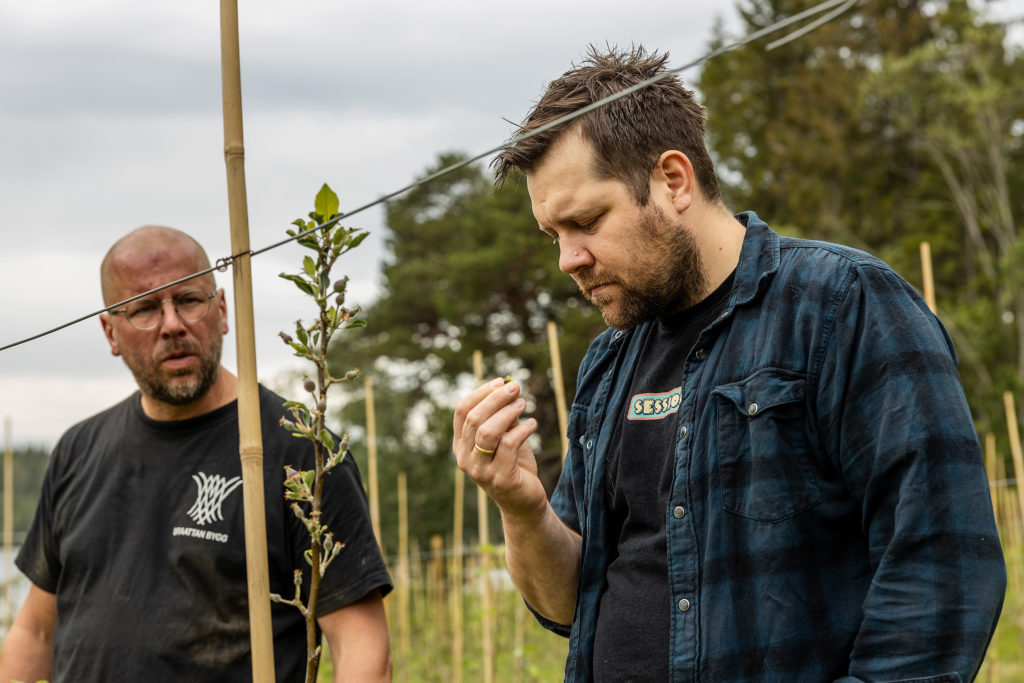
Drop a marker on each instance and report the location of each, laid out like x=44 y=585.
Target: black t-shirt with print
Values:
x=140 y=533
x=632 y=638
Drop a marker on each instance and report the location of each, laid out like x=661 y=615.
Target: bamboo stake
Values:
x=436 y=594
x=559 y=383
x=403 y=577
x=926 y=275
x=8 y=616
x=457 y=569
x=371 y=455
x=483 y=531
x=1015 y=450
x=250 y=439
x=990 y=470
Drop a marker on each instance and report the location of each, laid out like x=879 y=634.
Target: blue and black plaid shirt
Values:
x=829 y=515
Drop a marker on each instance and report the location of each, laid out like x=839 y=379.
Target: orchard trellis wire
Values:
x=832 y=9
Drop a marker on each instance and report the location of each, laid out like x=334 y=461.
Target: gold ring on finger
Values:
x=482 y=451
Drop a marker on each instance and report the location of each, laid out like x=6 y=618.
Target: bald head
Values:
x=143 y=250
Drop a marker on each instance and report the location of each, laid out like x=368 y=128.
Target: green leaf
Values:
x=309 y=476
x=327 y=439
x=358 y=322
x=326 y=202
x=300 y=283
x=309 y=265
x=357 y=240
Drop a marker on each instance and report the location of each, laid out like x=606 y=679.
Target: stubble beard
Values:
x=184 y=391
x=667 y=276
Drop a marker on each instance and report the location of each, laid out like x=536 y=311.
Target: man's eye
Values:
x=143 y=307
x=190 y=300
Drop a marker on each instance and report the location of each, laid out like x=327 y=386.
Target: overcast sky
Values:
x=110 y=118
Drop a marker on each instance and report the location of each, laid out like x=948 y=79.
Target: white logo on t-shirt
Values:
x=212 y=490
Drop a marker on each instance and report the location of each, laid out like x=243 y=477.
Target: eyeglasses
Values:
x=145 y=314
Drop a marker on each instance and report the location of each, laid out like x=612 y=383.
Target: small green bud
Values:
x=351 y=374
x=328 y=542
x=297 y=577
x=344 y=446
x=286 y=337
x=321 y=406
x=340 y=284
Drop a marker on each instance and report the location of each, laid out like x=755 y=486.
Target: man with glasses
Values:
x=136 y=554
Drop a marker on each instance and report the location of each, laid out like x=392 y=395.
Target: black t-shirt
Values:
x=140 y=533
x=632 y=638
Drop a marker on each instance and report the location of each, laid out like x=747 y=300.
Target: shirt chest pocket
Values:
x=762 y=448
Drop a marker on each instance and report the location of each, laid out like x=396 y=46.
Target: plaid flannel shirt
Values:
x=829 y=515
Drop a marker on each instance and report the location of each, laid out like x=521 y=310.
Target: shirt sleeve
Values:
x=39 y=557
x=895 y=421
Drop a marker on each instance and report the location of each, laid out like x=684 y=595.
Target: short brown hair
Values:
x=628 y=134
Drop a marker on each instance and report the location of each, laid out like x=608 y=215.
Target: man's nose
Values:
x=573 y=255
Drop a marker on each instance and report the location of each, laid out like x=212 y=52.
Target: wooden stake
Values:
x=457 y=573
x=250 y=441
x=371 y=457
x=926 y=275
x=1015 y=450
x=990 y=469
x=559 y=384
x=483 y=531
x=8 y=616
x=403 y=578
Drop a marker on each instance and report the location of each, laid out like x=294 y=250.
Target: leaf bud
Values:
x=297 y=577
x=352 y=374
x=328 y=542
x=309 y=385
x=340 y=284
x=344 y=446
x=286 y=337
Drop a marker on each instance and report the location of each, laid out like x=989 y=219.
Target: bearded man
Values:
x=136 y=554
x=772 y=474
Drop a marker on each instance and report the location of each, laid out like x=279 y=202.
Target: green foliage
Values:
x=328 y=241
x=467 y=270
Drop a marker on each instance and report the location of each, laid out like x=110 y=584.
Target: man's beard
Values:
x=180 y=393
x=667 y=275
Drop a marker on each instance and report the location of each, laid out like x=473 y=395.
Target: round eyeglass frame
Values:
x=174 y=301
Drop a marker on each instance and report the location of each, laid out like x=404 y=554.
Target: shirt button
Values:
x=590 y=444
x=678 y=511
x=701 y=354
x=682 y=432
x=582 y=436
x=684 y=605
x=752 y=409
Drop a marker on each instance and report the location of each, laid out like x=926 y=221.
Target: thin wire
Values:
x=839 y=6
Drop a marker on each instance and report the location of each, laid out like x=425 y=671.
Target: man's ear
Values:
x=108 y=331
x=222 y=304
x=675 y=171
